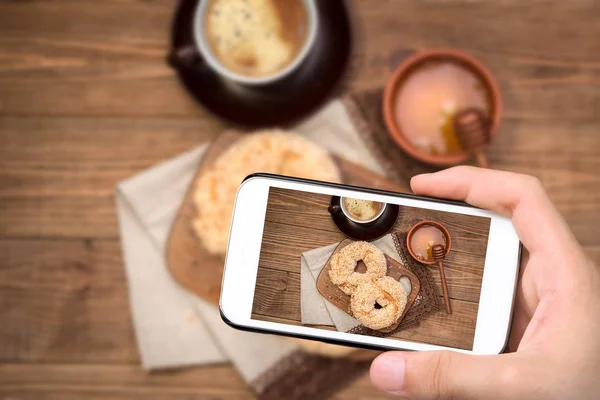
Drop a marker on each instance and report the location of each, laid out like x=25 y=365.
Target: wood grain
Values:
x=287 y=235
x=437 y=329
x=64 y=381
x=58 y=175
x=50 y=165
x=64 y=301
x=73 y=381
x=86 y=99
x=104 y=63
x=296 y=223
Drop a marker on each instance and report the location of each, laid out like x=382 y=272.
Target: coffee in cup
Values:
x=359 y=210
x=251 y=41
x=256 y=38
x=362 y=210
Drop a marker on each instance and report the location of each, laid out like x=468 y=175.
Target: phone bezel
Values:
x=241 y=267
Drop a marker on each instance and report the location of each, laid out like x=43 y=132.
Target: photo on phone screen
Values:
x=368 y=268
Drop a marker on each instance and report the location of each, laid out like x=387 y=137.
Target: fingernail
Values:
x=424 y=175
x=387 y=372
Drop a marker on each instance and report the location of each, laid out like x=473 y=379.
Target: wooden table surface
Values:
x=86 y=100
x=296 y=223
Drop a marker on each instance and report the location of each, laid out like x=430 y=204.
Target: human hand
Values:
x=555 y=334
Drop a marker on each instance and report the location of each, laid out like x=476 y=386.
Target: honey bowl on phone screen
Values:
x=424 y=238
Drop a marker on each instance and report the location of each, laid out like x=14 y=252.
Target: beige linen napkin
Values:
x=168 y=329
x=173 y=327
x=319 y=311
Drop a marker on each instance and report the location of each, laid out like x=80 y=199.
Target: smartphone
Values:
x=284 y=231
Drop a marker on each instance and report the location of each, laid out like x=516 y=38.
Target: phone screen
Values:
x=369 y=268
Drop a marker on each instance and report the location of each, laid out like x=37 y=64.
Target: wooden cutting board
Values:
x=198 y=270
x=341 y=300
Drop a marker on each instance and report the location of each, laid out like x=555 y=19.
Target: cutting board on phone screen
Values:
x=192 y=265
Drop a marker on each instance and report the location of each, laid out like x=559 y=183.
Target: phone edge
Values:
x=503 y=347
x=362 y=188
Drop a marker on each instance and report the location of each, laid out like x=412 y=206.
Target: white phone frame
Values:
x=241 y=266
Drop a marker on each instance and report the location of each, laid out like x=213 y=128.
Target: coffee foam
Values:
x=363 y=210
x=247 y=36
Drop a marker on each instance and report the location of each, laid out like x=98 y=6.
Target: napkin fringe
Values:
x=302 y=375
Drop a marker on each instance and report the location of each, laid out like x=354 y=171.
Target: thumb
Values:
x=443 y=375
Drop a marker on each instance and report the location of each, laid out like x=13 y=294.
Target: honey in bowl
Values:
x=423 y=239
x=429 y=98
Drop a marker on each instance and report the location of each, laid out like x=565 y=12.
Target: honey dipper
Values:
x=471 y=128
x=439 y=252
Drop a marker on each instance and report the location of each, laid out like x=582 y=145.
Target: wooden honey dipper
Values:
x=439 y=252
x=471 y=128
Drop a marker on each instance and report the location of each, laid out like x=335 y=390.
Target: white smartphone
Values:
x=284 y=230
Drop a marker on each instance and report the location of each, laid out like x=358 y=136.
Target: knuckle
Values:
x=529 y=187
x=439 y=368
x=464 y=169
x=531 y=182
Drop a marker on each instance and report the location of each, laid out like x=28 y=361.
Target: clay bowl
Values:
x=413 y=63
x=428 y=223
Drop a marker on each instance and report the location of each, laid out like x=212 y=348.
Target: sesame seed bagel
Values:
x=388 y=293
x=344 y=262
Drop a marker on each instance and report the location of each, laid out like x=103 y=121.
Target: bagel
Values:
x=388 y=293
x=273 y=151
x=344 y=262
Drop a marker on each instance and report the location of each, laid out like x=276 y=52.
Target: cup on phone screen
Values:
x=359 y=211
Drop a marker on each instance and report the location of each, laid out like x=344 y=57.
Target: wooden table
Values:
x=87 y=100
x=296 y=223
